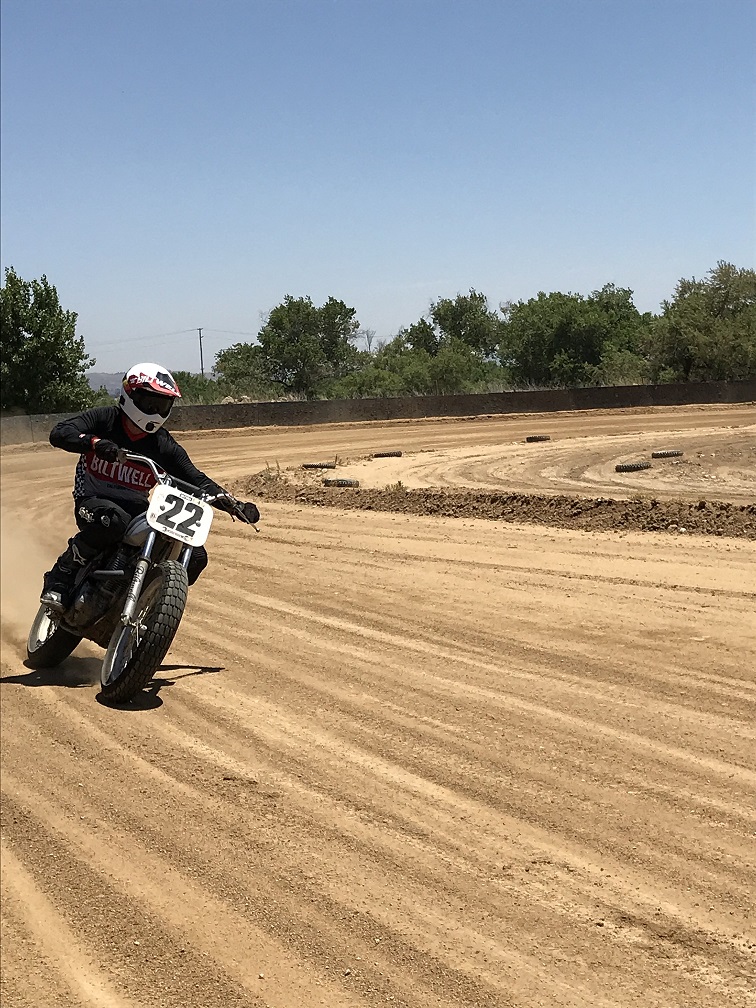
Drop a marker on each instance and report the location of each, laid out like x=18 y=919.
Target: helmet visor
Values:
x=152 y=403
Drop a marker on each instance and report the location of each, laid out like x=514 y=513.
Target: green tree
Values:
x=467 y=318
x=370 y=382
x=305 y=348
x=707 y=332
x=43 y=361
x=401 y=368
x=101 y=397
x=620 y=367
x=409 y=364
x=241 y=370
x=568 y=339
x=422 y=336
x=196 y=390
x=444 y=353
x=457 y=367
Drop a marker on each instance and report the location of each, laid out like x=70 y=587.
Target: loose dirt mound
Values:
x=702 y=517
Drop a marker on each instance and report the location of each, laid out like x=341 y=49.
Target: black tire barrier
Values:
x=318 y=465
x=341 y=482
x=392 y=454
x=670 y=453
x=632 y=466
x=538 y=437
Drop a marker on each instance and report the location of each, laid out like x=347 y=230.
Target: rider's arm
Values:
x=76 y=434
x=176 y=462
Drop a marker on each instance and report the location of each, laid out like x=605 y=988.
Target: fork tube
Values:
x=185 y=556
x=135 y=588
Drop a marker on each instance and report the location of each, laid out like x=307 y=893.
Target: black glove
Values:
x=107 y=450
x=245 y=512
x=249 y=513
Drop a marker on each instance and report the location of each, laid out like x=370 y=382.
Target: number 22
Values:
x=176 y=506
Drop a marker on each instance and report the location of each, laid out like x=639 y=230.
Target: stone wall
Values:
x=25 y=429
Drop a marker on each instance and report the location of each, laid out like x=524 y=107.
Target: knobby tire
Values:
x=162 y=621
x=54 y=649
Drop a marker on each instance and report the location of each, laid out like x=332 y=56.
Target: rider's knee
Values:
x=101 y=523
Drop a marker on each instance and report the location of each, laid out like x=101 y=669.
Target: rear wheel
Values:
x=135 y=651
x=48 y=643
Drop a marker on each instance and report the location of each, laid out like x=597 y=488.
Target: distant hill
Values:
x=112 y=382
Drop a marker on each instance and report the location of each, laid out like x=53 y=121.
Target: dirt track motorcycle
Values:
x=130 y=599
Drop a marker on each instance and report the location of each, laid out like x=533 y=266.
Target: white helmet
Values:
x=148 y=394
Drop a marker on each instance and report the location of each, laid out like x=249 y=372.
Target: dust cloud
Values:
x=23 y=561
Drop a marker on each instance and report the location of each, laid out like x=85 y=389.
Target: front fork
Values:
x=135 y=588
x=142 y=566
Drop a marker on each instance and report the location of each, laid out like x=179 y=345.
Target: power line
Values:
x=141 y=339
x=231 y=332
x=126 y=341
x=178 y=332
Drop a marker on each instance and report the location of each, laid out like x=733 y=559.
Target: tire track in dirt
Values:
x=29 y=913
x=160 y=930
x=453 y=828
x=163 y=877
x=435 y=763
x=335 y=635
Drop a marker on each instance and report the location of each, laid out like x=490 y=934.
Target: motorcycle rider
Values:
x=108 y=491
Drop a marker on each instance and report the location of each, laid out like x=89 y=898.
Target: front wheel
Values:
x=135 y=651
x=48 y=643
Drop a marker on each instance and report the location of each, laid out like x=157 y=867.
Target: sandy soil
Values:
x=400 y=759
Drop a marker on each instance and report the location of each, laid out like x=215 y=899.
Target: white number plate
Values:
x=179 y=515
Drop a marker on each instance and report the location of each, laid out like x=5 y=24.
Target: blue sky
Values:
x=170 y=164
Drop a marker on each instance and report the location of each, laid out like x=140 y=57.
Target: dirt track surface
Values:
x=399 y=759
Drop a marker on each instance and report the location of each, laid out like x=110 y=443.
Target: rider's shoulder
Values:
x=164 y=436
x=102 y=411
x=106 y=412
x=100 y=416
x=165 y=441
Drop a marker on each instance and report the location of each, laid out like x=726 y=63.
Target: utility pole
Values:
x=202 y=365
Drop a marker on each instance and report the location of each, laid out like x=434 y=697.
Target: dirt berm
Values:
x=703 y=517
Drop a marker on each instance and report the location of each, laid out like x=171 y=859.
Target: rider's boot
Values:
x=59 y=582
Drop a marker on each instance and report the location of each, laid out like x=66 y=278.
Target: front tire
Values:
x=134 y=655
x=48 y=643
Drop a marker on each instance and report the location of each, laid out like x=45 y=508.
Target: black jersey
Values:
x=122 y=481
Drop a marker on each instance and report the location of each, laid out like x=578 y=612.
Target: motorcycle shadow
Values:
x=150 y=698
x=75 y=673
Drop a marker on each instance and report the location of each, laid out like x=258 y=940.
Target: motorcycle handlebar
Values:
x=163 y=477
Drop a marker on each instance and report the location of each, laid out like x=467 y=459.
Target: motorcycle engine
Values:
x=89 y=605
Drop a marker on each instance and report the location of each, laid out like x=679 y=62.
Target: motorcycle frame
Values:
x=144 y=562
